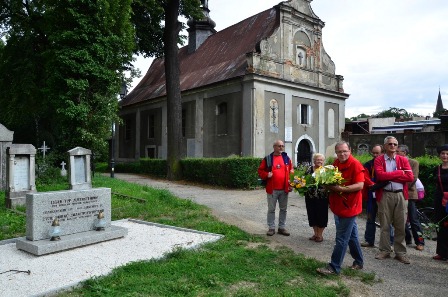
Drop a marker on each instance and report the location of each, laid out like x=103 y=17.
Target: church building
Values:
x=265 y=78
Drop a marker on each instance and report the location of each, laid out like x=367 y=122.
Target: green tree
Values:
x=61 y=69
x=167 y=33
x=398 y=113
x=437 y=114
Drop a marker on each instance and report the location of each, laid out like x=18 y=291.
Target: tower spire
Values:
x=439 y=106
x=199 y=30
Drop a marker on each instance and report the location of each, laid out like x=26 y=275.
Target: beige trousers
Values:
x=393 y=210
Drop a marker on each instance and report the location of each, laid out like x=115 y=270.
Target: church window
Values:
x=221 y=118
x=127 y=129
x=184 y=122
x=151 y=126
x=304 y=112
x=330 y=123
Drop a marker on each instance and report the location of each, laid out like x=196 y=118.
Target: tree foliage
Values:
x=392 y=112
x=439 y=113
x=61 y=69
x=167 y=34
x=398 y=113
x=62 y=65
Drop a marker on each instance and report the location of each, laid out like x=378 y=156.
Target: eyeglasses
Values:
x=391 y=143
x=279 y=145
x=342 y=152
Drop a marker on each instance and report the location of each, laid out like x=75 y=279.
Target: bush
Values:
x=47 y=170
x=232 y=172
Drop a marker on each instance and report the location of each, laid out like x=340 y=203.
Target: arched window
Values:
x=330 y=123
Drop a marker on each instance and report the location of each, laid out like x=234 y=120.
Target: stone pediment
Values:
x=5 y=134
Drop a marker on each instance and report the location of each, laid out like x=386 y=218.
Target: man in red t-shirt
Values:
x=276 y=174
x=346 y=204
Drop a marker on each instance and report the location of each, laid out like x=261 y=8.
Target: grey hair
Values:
x=389 y=137
x=404 y=148
x=342 y=142
x=317 y=155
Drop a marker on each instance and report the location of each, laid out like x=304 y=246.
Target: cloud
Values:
x=390 y=52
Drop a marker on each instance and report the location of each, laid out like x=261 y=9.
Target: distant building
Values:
x=422 y=135
x=267 y=77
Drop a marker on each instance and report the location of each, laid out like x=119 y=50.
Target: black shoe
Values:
x=270 y=232
x=283 y=232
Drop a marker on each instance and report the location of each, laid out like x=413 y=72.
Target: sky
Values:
x=391 y=53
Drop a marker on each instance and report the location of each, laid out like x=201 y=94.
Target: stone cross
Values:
x=44 y=149
x=63 y=170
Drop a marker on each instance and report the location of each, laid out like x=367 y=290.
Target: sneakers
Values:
x=420 y=247
x=283 y=232
x=270 y=232
x=366 y=244
x=356 y=267
x=382 y=255
x=326 y=271
x=403 y=259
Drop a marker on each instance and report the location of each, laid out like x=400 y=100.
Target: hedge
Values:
x=241 y=172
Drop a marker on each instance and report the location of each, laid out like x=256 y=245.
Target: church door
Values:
x=303 y=153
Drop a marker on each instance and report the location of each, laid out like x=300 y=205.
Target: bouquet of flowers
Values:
x=301 y=182
x=328 y=175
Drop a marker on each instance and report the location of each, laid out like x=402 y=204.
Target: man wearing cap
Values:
x=392 y=199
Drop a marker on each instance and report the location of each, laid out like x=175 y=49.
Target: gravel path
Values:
x=53 y=272
x=247 y=210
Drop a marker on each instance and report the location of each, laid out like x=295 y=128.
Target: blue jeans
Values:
x=346 y=236
x=369 y=235
x=414 y=225
x=282 y=198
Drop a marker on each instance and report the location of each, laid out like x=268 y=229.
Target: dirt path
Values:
x=247 y=210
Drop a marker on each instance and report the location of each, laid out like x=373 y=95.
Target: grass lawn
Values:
x=240 y=264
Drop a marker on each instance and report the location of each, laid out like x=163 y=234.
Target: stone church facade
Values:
x=267 y=77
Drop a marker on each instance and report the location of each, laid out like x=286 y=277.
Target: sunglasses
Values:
x=391 y=143
x=279 y=145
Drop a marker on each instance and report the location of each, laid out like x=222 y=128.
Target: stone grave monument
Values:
x=20 y=172
x=62 y=220
x=6 y=138
x=79 y=173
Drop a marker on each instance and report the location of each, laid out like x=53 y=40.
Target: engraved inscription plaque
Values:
x=76 y=211
x=80 y=169
x=21 y=173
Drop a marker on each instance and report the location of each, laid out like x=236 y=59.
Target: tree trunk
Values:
x=174 y=100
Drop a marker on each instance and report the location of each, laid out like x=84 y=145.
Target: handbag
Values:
x=420 y=189
x=445 y=194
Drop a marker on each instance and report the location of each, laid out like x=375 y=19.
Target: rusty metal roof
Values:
x=222 y=56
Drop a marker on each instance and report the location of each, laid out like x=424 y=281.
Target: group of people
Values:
x=387 y=184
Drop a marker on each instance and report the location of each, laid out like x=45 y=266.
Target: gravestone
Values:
x=63 y=171
x=79 y=173
x=20 y=173
x=6 y=138
x=77 y=210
